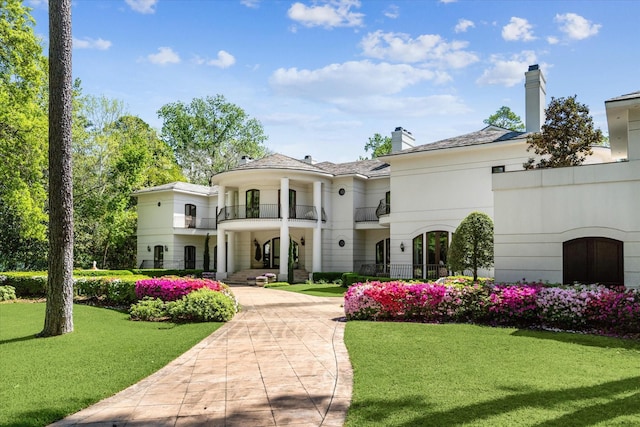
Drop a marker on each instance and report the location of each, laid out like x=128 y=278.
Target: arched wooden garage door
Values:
x=593 y=260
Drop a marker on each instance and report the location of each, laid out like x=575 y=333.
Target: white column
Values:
x=284 y=229
x=221 y=272
x=231 y=243
x=317 y=231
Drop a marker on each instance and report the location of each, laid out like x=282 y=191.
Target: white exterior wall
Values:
x=340 y=226
x=536 y=211
x=436 y=190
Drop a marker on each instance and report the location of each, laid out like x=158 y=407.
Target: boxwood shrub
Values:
x=7 y=293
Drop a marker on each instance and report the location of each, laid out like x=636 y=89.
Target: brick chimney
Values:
x=401 y=139
x=535 y=98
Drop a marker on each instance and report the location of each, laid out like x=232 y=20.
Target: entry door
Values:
x=158 y=256
x=591 y=260
x=271 y=253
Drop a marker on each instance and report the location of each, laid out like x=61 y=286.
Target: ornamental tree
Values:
x=566 y=137
x=472 y=244
x=378 y=145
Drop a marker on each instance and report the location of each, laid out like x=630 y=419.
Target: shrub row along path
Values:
x=280 y=362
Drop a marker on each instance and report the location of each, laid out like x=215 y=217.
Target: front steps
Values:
x=241 y=277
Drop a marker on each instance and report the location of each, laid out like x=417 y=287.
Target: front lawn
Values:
x=45 y=379
x=315 y=289
x=416 y=374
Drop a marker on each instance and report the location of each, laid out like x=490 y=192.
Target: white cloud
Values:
x=143 y=6
x=518 y=29
x=507 y=71
x=448 y=1
x=576 y=27
x=435 y=105
x=165 y=55
x=251 y=3
x=332 y=13
x=463 y=25
x=224 y=60
x=89 y=43
x=350 y=79
x=392 y=12
x=552 y=40
x=430 y=48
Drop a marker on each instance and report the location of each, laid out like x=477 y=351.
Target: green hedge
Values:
x=349 y=279
x=27 y=284
x=111 y=290
x=7 y=293
x=102 y=273
x=328 y=276
x=166 y=272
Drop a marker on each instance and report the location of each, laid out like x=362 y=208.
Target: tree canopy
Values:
x=210 y=135
x=378 y=145
x=23 y=139
x=114 y=155
x=566 y=137
x=472 y=244
x=506 y=119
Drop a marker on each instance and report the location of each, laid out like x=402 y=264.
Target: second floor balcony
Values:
x=372 y=214
x=268 y=211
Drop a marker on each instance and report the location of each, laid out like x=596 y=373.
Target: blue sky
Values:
x=324 y=76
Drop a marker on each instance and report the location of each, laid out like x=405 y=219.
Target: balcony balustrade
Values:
x=267 y=211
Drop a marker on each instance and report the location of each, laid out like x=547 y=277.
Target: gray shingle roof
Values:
x=488 y=135
x=369 y=168
x=278 y=161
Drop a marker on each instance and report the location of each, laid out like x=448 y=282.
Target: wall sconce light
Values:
x=402 y=246
x=302 y=240
x=255 y=242
x=166 y=248
x=148 y=248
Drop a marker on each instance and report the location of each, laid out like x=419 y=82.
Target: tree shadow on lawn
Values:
x=590 y=340
x=614 y=399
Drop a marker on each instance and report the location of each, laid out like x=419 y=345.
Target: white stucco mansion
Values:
x=395 y=215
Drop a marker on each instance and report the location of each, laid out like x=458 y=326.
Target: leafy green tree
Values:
x=59 y=308
x=566 y=137
x=506 y=119
x=378 y=145
x=23 y=140
x=210 y=135
x=114 y=155
x=472 y=244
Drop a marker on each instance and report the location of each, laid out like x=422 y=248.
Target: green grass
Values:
x=45 y=379
x=411 y=374
x=315 y=289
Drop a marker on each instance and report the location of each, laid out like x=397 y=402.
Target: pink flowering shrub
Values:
x=589 y=308
x=171 y=288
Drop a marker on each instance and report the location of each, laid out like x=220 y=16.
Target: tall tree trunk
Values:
x=59 y=313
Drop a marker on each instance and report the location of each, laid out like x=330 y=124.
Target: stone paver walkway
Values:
x=280 y=362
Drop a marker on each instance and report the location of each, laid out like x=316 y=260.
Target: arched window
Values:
x=591 y=260
x=253 y=203
x=383 y=256
x=158 y=256
x=189 y=257
x=430 y=255
x=190 y=215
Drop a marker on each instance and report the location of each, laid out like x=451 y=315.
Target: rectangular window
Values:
x=497 y=169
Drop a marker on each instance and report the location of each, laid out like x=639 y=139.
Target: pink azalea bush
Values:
x=171 y=288
x=590 y=308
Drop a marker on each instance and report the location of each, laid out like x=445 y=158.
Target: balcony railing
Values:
x=403 y=271
x=197 y=222
x=171 y=264
x=300 y=212
x=372 y=214
x=366 y=215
